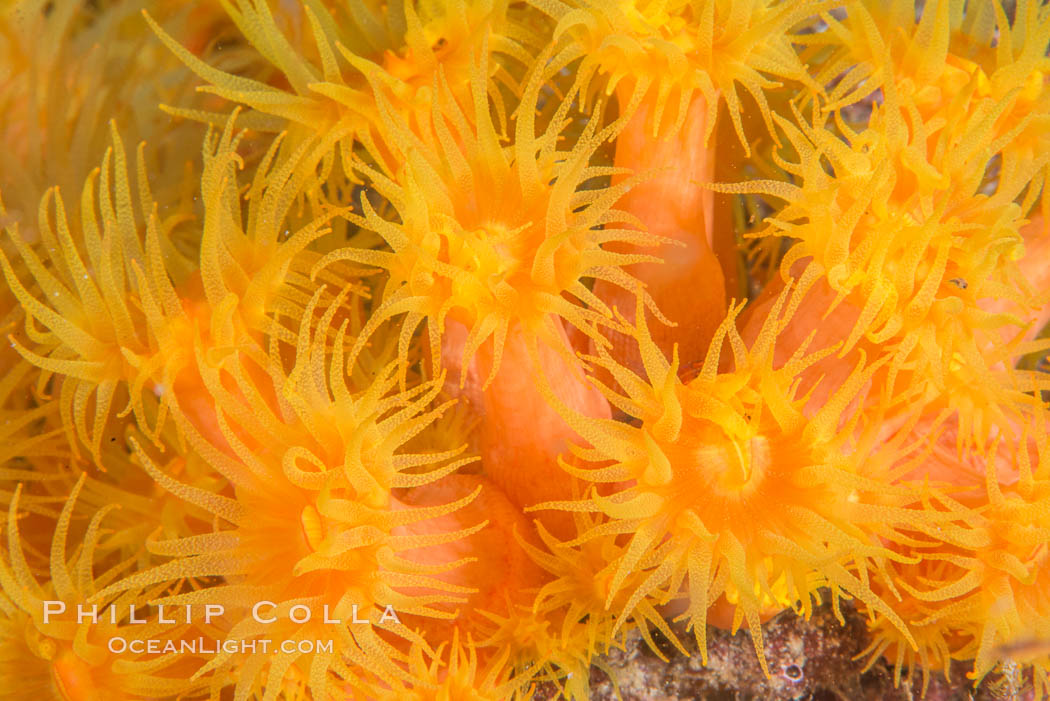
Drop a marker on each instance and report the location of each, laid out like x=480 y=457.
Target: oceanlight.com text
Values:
x=203 y=646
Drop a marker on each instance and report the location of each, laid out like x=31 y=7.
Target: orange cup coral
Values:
x=414 y=352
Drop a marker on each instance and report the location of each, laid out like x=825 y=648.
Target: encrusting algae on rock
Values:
x=492 y=333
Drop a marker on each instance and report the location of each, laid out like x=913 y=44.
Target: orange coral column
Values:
x=501 y=572
x=521 y=435
x=689 y=286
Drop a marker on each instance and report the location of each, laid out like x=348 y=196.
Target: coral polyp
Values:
x=453 y=349
x=68 y=655
x=731 y=489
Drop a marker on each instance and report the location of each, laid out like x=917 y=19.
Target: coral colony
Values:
x=426 y=349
